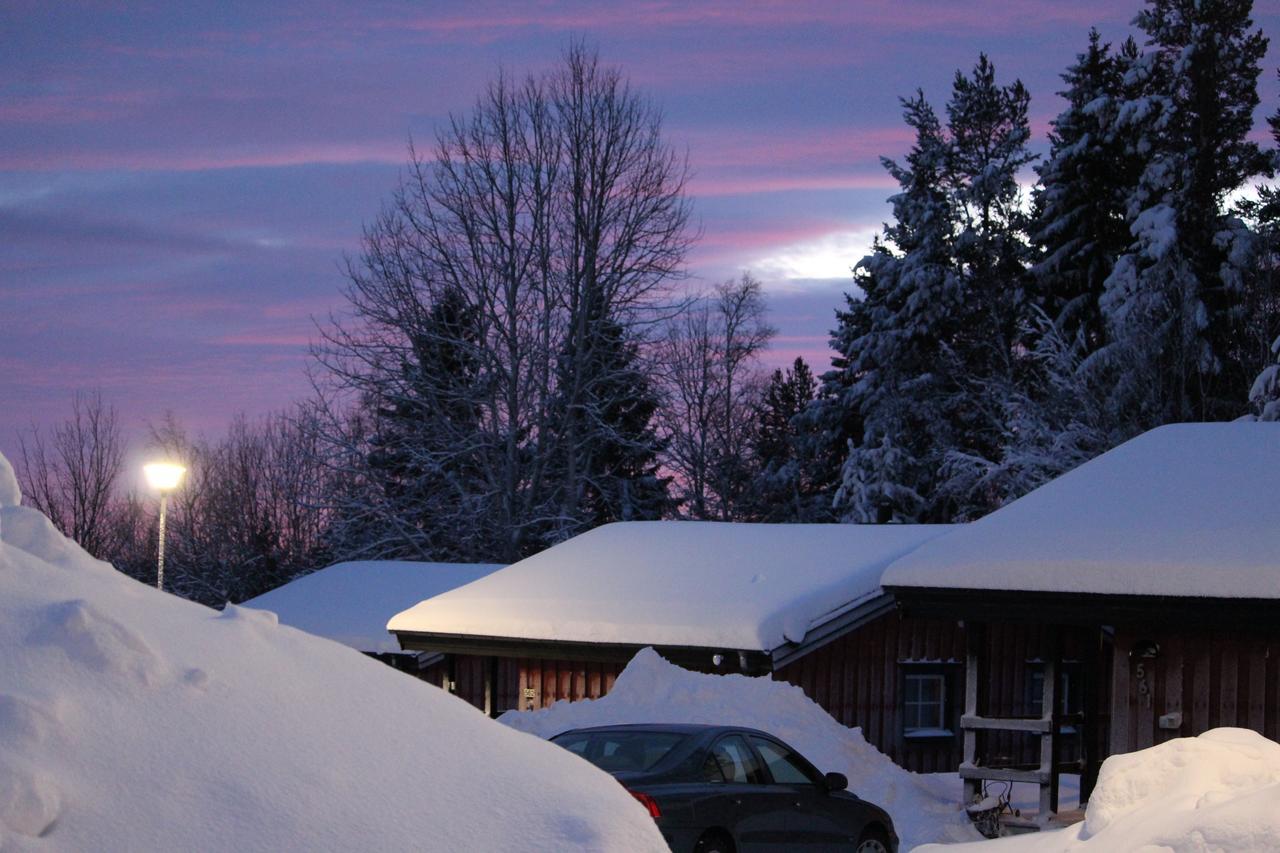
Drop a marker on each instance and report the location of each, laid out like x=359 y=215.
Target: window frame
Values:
x=950 y=675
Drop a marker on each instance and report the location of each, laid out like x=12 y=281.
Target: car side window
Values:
x=785 y=766
x=711 y=771
x=736 y=761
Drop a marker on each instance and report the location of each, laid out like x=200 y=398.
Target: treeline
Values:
x=520 y=360
x=997 y=341
x=251 y=513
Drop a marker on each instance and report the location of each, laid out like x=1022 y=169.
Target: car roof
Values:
x=673 y=728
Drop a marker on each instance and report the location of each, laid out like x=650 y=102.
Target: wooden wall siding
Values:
x=857 y=679
x=553 y=680
x=1214 y=678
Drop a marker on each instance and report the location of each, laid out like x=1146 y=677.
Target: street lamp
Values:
x=164 y=478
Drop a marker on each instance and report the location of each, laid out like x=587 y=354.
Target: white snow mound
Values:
x=1216 y=792
x=652 y=690
x=134 y=720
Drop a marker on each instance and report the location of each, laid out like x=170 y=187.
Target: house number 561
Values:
x=1144 y=689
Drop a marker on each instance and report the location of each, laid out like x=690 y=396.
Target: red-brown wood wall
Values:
x=1213 y=678
x=857 y=678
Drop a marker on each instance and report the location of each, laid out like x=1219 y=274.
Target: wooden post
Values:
x=490 y=686
x=1090 y=727
x=975 y=635
x=1049 y=738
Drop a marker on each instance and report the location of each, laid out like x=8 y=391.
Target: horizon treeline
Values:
x=522 y=363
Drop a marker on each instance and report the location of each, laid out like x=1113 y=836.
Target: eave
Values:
x=1079 y=608
x=749 y=661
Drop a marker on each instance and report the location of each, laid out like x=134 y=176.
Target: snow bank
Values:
x=677 y=583
x=351 y=602
x=134 y=720
x=651 y=690
x=1216 y=792
x=1185 y=509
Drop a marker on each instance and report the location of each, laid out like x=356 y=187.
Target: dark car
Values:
x=721 y=789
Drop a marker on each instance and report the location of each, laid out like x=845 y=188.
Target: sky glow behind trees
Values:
x=178 y=187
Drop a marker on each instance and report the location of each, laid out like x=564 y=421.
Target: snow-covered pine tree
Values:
x=1079 y=226
x=1263 y=290
x=1264 y=396
x=1173 y=299
x=941 y=311
x=894 y=341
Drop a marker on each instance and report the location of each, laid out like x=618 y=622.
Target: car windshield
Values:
x=620 y=750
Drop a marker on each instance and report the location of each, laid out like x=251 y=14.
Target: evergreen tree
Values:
x=1174 y=299
x=422 y=454
x=617 y=445
x=1079 y=224
x=940 y=316
x=896 y=337
x=782 y=490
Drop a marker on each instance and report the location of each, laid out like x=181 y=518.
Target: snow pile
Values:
x=133 y=720
x=651 y=690
x=1185 y=509
x=677 y=583
x=351 y=602
x=1216 y=792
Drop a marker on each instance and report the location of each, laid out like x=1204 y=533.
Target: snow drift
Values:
x=651 y=690
x=134 y=720
x=1216 y=792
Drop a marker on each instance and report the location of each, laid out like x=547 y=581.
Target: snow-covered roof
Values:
x=351 y=602
x=676 y=583
x=131 y=719
x=1182 y=510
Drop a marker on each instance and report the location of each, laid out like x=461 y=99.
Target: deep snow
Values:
x=1185 y=509
x=1216 y=792
x=351 y=602
x=134 y=720
x=651 y=690
x=677 y=583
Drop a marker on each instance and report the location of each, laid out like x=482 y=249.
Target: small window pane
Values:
x=924 y=705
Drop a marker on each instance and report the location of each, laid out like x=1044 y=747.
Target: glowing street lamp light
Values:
x=164 y=477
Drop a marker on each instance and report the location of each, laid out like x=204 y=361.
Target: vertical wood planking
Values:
x=1228 y=697
x=1257 y=709
x=1121 y=696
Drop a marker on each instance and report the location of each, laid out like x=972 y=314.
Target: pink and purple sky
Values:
x=180 y=182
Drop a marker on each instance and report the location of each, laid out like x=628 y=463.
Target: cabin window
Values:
x=925 y=704
x=1068 y=699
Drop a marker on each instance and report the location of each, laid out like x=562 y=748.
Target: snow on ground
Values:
x=677 y=583
x=1216 y=792
x=1185 y=509
x=651 y=690
x=351 y=602
x=134 y=720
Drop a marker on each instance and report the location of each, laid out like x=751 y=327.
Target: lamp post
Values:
x=164 y=478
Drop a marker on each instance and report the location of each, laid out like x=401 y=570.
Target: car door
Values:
x=756 y=812
x=817 y=821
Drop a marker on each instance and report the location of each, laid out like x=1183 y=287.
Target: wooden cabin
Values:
x=802 y=603
x=1150 y=580
x=350 y=603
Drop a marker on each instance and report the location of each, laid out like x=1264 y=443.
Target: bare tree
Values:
x=490 y=301
x=251 y=511
x=72 y=474
x=713 y=382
